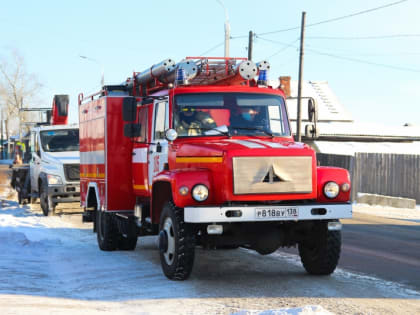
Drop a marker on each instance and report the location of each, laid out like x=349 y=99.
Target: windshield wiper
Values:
x=226 y=133
x=253 y=128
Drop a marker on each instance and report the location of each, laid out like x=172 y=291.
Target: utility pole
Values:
x=250 y=43
x=227 y=29
x=299 y=105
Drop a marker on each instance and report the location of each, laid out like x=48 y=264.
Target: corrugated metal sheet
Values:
x=388 y=174
x=396 y=175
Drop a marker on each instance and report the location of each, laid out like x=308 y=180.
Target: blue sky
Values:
x=130 y=36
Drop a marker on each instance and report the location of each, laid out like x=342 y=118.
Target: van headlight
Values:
x=54 y=180
x=200 y=192
x=331 y=190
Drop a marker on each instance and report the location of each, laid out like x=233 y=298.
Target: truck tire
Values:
x=320 y=254
x=127 y=243
x=20 y=198
x=32 y=200
x=107 y=232
x=176 y=243
x=47 y=205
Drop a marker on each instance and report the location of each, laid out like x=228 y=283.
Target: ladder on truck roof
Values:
x=194 y=71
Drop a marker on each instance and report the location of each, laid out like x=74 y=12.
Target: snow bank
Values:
x=306 y=310
x=388 y=212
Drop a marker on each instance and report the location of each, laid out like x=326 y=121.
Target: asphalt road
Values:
x=386 y=248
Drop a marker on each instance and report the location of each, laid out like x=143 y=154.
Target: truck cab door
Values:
x=35 y=161
x=140 y=154
x=158 y=149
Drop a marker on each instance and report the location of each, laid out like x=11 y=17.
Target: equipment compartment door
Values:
x=140 y=155
x=158 y=154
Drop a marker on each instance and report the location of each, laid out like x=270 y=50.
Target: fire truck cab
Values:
x=201 y=154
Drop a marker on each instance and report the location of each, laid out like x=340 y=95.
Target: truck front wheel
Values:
x=47 y=205
x=321 y=251
x=176 y=243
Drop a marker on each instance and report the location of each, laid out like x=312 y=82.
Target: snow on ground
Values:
x=389 y=212
x=51 y=265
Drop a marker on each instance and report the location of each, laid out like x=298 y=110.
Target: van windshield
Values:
x=60 y=140
x=230 y=113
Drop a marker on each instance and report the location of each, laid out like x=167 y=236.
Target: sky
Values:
x=376 y=79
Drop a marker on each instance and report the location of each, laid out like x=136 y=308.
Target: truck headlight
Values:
x=331 y=190
x=200 y=192
x=54 y=180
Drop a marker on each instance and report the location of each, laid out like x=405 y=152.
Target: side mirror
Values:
x=132 y=130
x=171 y=134
x=311 y=132
x=312 y=110
x=129 y=109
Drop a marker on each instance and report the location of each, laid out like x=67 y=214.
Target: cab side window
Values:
x=143 y=120
x=34 y=144
x=161 y=120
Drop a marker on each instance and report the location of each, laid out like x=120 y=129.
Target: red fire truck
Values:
x=201 y=153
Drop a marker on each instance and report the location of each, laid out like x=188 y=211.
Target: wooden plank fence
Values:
x=396 y=175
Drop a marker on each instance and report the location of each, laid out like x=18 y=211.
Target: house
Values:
x=382 y=159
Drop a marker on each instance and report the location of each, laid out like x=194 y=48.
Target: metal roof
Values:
x=350 y=148
x=367 y=130
x=329 y=106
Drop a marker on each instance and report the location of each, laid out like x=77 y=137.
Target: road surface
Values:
x=52 y=265
x=383 y=247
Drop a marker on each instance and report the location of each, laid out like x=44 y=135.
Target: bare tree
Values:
x=18 y=88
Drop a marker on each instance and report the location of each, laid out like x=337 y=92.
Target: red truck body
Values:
x=225 y=187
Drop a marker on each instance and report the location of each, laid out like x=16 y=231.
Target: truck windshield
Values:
x=230 y=114
x=60 y=140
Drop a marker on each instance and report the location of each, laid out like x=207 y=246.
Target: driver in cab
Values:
x=191 y=121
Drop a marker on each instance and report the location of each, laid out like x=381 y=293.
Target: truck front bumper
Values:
x=64 y=193
x=267 y=213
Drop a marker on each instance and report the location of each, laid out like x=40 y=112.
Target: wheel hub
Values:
x=167 y=241
x=163 y=241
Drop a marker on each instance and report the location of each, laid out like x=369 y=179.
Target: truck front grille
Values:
x=72 y=172
x=272 y=175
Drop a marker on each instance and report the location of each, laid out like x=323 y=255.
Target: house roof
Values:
x=350 y=148
x=334 y=121
x=329 y=106
x=356 y=129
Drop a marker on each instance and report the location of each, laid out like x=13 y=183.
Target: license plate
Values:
x=274 y=213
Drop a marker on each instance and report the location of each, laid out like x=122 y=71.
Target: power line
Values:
x=236 y=37
x=211 y=49
x=285 y=45
x=363 y=61
x=283 y=49
x=364 y=37
x=338 y=18
x=343 y=57
x=382 y=53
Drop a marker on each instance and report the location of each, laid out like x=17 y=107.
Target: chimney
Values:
x=285 y=85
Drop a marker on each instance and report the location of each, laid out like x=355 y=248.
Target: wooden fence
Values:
x=396 y=175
